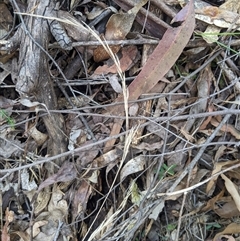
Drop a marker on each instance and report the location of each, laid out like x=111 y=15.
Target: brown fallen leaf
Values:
x=219 y=166
x=159 y=62
x=118 y=26
x=227 y=210
x=232 y=228
x=65 y=174
x=227 y=128
x=80 y=199
x=129 y=54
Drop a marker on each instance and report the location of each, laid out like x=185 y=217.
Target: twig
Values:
x=58 y=230
x=139 y=41
x=189 y=168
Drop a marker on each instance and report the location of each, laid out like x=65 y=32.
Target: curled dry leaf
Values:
x=232 y=228
x=219 y=17
x=134 y=165
x=212 y=183
x=226 y=237
x=74 y=134
x=232 y=190
x=227 y=210
x=38 y=136
x=157 y=210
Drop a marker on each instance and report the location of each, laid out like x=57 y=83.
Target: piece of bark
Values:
x=33 y=75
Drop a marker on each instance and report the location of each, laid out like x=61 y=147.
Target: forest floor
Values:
x=119 y=120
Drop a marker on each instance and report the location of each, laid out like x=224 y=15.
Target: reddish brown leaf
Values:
x=160 y=61
x=129 y=53
x=163 y=57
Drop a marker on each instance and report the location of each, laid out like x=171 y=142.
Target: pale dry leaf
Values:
x=94 y=177
x=113 y=81
x=36 y=228
x=133 y=109
x=57 y=202
x=96 y=11
x=220 y=152
x=219 y=17
x=231 y=5
x=74 y=134
x=26 y=183
x=232 y=190
x=24 y=236
x=157 y=210
x=212 y=183
x=109 y=214
x=134 y=165
x=38 y=136
x=203 y=86
x=211 y=203
x=227 y=128
x=30 y=104
x=42 y=200
x=74 y=28
x=107 y=158
x=119 y=25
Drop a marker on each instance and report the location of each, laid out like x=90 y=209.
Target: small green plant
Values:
x=165 y=170
x=171 y=227
x=5 y=116
x=219 y=43
x=213 y=225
